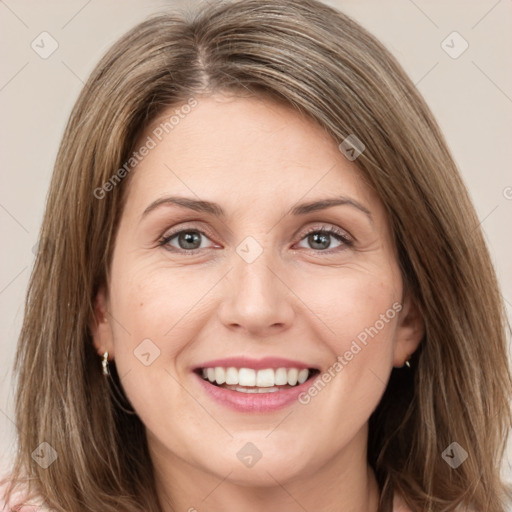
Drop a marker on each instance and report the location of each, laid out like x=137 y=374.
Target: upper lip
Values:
x=257 y=364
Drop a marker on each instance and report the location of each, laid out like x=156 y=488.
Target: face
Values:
x=281 y=290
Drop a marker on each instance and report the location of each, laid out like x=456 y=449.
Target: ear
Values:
x=100 y=326
x=409 y=332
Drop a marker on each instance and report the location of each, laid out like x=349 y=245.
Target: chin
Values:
x=253 y=463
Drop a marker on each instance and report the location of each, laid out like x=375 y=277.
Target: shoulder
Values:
x=18 y=499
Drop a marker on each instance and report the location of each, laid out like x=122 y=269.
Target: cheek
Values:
x=150 y=318
x=150 y=302
x=158 y=313
x=351 y=302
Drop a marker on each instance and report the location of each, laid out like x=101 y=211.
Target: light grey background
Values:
x=469 y=95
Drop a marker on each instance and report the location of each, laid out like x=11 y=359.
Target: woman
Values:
x=254 y=290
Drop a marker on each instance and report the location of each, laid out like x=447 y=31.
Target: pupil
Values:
x=189 y=238
x=320 y=238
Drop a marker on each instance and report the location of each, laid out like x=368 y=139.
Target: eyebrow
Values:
x=216 y=210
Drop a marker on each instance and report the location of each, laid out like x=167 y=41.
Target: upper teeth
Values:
x=260 y=378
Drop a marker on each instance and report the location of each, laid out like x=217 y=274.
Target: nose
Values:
x=256 y=299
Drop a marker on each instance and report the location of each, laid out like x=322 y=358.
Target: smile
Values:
x=250 y=380
x=251 y=385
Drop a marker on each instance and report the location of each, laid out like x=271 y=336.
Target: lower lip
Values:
x=254 y=402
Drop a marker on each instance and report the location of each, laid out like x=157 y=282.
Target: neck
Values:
x=344 y=482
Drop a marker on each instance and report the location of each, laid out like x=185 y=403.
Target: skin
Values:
x=256 y=159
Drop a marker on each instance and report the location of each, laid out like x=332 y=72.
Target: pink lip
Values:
x=257 y=364
x=254 y=402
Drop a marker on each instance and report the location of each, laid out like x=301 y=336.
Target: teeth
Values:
x=293 y=374
x=220 y=375
x=231 y=376
x=265 y=378
x=303 y=375
x=281 y=377
x=253 y=390
x=249 y=378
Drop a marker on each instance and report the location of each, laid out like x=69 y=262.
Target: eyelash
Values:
x=341 y=236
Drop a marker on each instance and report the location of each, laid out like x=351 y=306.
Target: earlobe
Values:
x=100 y=325
x=409 y=332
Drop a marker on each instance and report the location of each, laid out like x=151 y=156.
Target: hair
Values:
x=322 y=64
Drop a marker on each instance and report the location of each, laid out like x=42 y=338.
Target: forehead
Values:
x=245 y=149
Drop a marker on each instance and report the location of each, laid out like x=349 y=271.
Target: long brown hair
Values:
x=323 y=64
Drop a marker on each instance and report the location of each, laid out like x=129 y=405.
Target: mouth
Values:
x=251 y=380
x=251 y=385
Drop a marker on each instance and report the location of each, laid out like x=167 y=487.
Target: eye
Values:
x=320 y=239
x=188 y=240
